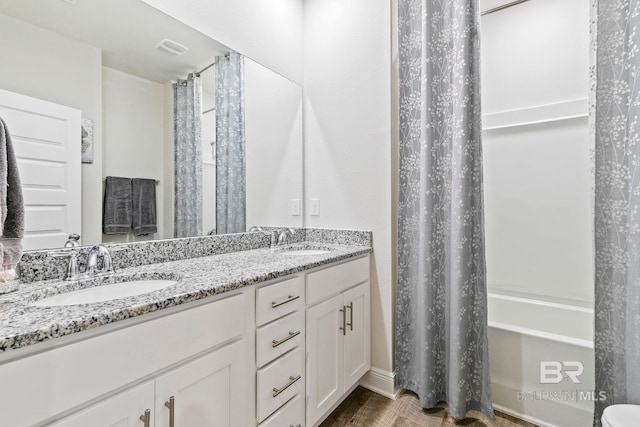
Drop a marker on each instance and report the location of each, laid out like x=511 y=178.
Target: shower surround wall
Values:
x=537 y=169
x=535 y=61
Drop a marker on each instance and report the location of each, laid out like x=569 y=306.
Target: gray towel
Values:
x=144 y=206
x=117 y=207
x=11 y=202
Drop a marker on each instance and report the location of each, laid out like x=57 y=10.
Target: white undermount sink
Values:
x=305 y=252
x=106 y=292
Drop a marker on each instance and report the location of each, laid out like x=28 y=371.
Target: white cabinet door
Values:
x=210 y=391
x=121 y=410
x=325 y=347
x=357 y=357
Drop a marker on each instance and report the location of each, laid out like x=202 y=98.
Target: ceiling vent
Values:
x=172 y=47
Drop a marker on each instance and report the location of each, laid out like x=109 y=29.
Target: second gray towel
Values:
x=117 y=206
x=144 y=206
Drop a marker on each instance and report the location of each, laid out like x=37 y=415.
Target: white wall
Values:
x=537 y=176
x=133 y=118
x=269 y=32
x=348 y=143
x=273 y=126
x=45 y=65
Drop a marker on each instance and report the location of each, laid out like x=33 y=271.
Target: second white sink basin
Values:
x=104 y=292
x=305 y=252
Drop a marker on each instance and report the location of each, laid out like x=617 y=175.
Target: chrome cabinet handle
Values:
x=289 y=299
x=350 y=323
x=146 y=418
x=284 y=340
x=171 y=404
x=343 y=310
x=292 y=380
x=291 y=425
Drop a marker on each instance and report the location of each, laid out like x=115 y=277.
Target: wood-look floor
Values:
x=368 y=409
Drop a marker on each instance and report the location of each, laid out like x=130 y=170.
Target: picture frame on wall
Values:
x=87 y=140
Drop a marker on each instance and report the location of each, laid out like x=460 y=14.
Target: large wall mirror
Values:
x=101 y=59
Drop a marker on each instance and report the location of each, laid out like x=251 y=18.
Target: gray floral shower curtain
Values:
x=616 y=121
x=230 y=145
x=441 y=348
x=187 y=109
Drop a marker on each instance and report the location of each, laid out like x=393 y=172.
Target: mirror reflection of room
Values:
x=116 y=77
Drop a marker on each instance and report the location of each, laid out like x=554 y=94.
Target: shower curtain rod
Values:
x=504 y=6
x=197 y=73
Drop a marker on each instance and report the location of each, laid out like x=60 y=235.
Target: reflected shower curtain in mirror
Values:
x=230 y=145
x=187 y=106
x=615 y=116
x=441 y=347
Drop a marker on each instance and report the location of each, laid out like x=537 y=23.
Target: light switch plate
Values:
x=315 y=207
x=295 y=207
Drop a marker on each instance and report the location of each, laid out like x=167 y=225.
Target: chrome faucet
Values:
x=274 y=239
x=285 y=235
x=255 y=228
x=99 y=262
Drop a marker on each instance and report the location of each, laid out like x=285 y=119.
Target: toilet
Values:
x=621 y=416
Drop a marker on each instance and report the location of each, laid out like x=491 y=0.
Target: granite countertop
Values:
x=22 y=325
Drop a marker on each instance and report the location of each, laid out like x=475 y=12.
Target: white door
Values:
x=357 y=357
x=47 y=142
x=210 y=391
x=121 y=410
x=325 y=346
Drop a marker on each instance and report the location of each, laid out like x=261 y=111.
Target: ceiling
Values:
x=127 y=31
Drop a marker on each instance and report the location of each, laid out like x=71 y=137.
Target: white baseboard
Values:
x=381 y=382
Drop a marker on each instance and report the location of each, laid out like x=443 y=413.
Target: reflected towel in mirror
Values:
x=11 y=205
x=117 y=206
x=144 y=206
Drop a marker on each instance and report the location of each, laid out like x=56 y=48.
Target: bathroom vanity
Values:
x=255 y=337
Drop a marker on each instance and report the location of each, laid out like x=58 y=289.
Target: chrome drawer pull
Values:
x=289 y=299
x=284 y=340
x=292 y=380
x=146 y=418
x=291 y=425
x=343 y=310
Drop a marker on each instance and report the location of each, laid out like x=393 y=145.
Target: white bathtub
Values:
x=522 y=333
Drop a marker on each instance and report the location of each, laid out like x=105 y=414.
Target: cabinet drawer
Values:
x=279 y=299
x=333 y=280
x=291 y=414
x=277 y=338
x=283 y=378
